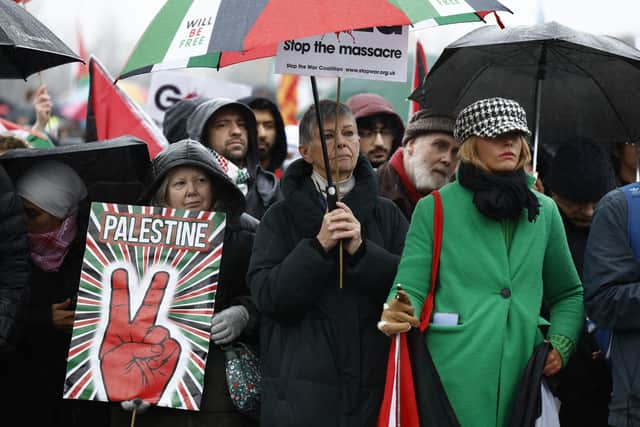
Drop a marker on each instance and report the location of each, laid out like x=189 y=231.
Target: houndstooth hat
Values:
x=489 y=118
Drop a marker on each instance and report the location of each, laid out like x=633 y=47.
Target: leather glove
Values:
x=228 y=324
x=398 y=315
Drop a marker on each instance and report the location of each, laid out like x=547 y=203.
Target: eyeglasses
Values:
x=371 y=133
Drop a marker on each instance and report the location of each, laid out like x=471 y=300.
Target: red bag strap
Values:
x=427 y=308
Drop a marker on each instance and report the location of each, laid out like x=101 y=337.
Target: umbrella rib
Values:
x=604 y=93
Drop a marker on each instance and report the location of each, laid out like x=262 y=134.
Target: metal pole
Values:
x=536 y=135
x=542 y=65
x=335 y=152
x=637 y=152
x=331 y=188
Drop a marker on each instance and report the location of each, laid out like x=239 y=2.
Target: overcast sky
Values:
x=111 y=28
x=131 y=16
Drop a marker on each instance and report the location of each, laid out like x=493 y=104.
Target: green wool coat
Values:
x=497 y=294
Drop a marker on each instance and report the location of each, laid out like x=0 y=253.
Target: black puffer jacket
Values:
x=14 y=260
x=41 y=351
x=324 y=361
x=216 y=407
x=263 y=185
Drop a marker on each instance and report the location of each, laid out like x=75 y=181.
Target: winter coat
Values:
x=14 y=261
x=497 y=294
x=392 y=188
x=585 y=383
x=32 y=391
x=323 y=359
x=216 y=408
x=611 y=282
x=279 y=149
x=262 y=185
x=174 y=123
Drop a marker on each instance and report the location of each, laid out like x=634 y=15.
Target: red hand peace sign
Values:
x=137 y=357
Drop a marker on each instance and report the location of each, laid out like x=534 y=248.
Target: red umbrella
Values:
x=193 y=33
x=209 y=33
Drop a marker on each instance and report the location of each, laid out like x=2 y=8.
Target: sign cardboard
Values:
x=144 y=307
x=378 y=53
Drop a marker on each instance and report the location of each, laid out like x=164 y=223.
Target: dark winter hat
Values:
x=174 y=125
x=426 y=121
x=189 y=152
x=581 y=171
x=367 y=106
x=489 y=118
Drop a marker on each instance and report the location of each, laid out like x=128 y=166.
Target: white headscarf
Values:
x=52 y=186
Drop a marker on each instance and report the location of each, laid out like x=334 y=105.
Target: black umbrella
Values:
x=528 y=403
x=571 y=83
x=116 y=170
x=27 y=45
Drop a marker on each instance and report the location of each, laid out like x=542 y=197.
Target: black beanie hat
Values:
x=581 y=171
x=174 y=125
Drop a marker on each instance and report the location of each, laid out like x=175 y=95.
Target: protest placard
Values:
x=378 y=53
x=168 y=87
x=144 y=306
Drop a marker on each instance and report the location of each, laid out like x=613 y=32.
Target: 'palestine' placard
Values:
x=145 y=302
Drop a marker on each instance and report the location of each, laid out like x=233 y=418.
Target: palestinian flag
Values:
x=419 y=74
x=112 y=113
x=144 y=307
x=35 y=139
x=216 y=33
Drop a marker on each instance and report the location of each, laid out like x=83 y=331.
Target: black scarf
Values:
x=501 y=195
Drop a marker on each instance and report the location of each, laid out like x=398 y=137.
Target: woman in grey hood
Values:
x=187 y=176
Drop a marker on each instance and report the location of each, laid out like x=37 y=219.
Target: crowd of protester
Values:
x=522 y=257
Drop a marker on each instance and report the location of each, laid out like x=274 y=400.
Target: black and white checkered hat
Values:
x=489 y=118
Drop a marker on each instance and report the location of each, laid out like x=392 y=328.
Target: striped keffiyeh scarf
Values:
x=49 y=249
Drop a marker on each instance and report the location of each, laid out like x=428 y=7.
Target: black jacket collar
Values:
x=305 y=203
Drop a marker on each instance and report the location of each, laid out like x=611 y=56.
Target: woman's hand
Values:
x=340 y=224
x=62 y=317
x=397 y=315
x=553 y=363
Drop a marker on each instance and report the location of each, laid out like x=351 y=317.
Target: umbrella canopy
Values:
x=27 y=45
x=571 y=83
x=217 y=33
x=116 y=170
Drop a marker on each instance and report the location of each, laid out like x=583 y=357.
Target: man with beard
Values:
x=379 y=126
x=229 y=128
x=272 y=140
x=426 y=161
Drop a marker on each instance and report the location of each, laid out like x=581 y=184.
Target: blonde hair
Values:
x=159 y=198
x=469 y=153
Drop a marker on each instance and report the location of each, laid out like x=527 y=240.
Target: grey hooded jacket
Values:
x=612 y=297
x=263 y=185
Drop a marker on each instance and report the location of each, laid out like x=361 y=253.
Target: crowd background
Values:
x=109 y=30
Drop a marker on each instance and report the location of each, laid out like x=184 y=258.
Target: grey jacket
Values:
x=263 y=185
x=612 y=296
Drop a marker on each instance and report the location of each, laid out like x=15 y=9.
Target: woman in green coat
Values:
x=504 y=252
